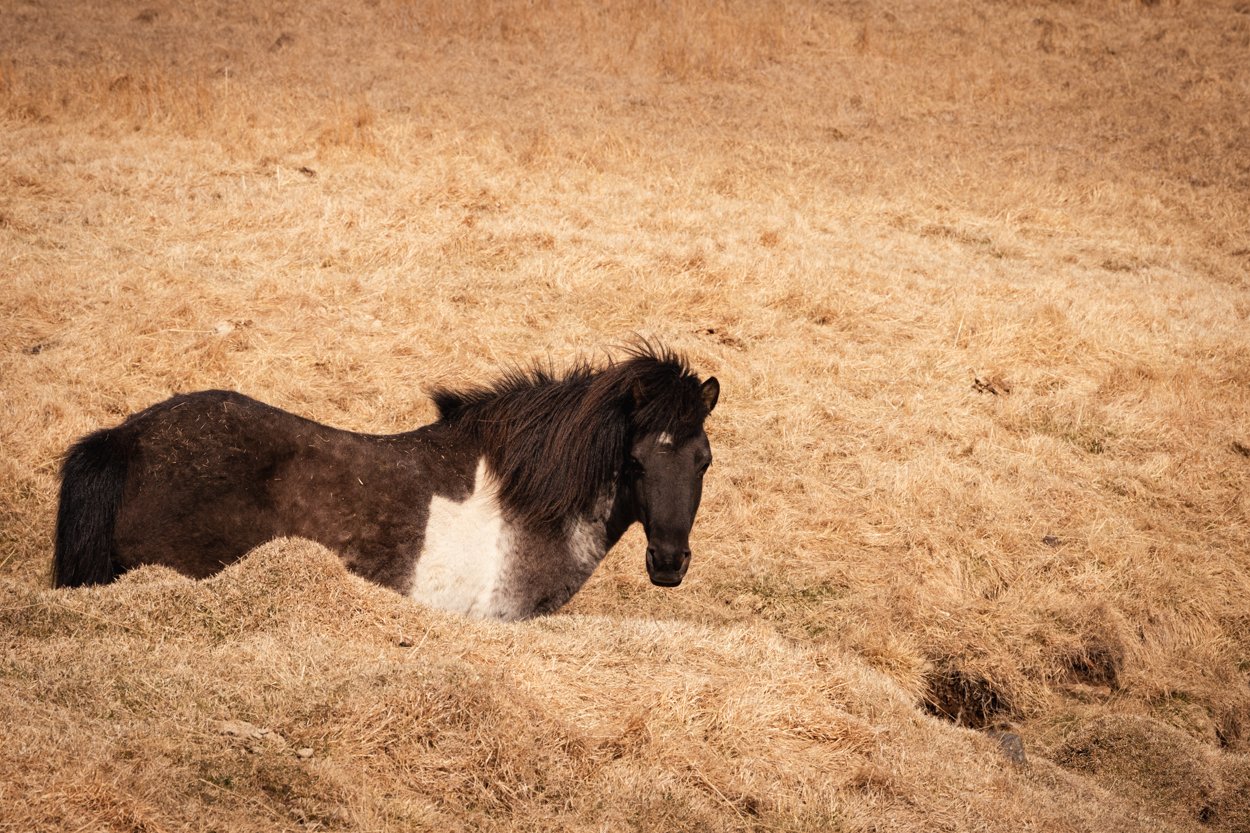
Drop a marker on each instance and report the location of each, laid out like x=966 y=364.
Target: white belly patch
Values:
x=466 y=546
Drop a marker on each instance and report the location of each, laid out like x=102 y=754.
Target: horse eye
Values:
x=703 y=467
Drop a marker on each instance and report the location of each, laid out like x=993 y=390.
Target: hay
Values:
x=280 y=695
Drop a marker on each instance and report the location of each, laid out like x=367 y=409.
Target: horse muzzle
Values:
x=667 y=567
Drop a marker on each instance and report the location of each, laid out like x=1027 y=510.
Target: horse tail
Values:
x=92 y=478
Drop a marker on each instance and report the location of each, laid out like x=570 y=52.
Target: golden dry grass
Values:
x=973 y=277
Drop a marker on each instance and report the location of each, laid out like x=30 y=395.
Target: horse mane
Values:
x=556 y=442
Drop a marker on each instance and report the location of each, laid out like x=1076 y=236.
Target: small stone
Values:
x=304 y=752
x=1012 y=746
x=1051 y=541
x=241 y=729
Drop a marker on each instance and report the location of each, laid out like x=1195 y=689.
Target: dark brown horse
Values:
x=502 y=508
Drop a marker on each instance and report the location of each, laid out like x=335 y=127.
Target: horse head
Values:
x=665 y=481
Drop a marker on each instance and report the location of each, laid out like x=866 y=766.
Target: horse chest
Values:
x=465 y=552
x=474 y=562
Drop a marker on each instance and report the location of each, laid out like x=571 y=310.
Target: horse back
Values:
x=211 y=475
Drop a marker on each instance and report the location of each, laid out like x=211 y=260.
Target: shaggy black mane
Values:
x=557 y=442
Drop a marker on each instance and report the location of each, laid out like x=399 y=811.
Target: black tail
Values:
x=91 y=492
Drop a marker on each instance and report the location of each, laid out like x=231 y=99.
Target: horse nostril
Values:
x=667 y=560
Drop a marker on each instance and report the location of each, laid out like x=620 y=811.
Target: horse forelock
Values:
x=667 y=396
x=557 y=443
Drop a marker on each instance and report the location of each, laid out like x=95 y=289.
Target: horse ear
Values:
x=638 y=393
x=711 y=392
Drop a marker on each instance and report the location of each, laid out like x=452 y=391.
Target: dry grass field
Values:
x=974 y=279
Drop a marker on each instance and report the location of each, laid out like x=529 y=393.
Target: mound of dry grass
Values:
x=1166 y=768
x=286 y=694
x=973 y=278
